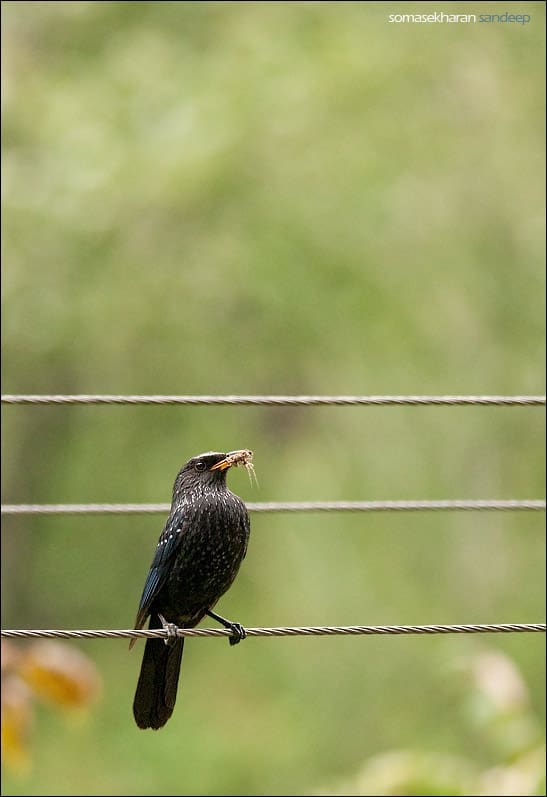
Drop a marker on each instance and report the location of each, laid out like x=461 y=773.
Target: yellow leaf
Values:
x=60 y=674
x=16 y=724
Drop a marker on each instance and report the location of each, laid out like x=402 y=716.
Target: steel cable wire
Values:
x=352 y=630
x=277 y=400
x=471 y=505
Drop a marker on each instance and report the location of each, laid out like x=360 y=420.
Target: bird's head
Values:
x=210 y=469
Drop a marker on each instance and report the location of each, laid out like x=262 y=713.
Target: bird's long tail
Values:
x=158 y=681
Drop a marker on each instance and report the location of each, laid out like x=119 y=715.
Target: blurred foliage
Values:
x=204 y=197
x=57 y=674
x=498 y=707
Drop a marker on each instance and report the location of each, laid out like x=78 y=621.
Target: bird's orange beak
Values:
x=224 y=464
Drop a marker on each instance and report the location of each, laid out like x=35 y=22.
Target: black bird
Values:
x=197 y=558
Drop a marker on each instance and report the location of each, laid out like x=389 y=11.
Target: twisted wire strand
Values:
x=351 y=630
x=278 y=400
x=288 y=506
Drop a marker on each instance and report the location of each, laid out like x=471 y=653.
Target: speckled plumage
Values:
x=197 y=558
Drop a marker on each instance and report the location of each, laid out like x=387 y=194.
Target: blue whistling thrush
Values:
x=197 y=558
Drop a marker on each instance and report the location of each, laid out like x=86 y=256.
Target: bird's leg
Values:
x=171 y=629
x=238 y=632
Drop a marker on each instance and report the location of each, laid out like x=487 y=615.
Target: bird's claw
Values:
x=238 y=633
x=171 y=629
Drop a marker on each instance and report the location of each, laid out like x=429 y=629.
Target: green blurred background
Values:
x=265 y=197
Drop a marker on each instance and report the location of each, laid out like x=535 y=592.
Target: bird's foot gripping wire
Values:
x=171 y=629
x=238 y=632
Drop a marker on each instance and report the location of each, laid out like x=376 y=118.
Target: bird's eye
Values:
x=200 y=466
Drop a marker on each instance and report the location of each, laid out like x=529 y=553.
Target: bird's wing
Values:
x=247 y=526
x=167 y=546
